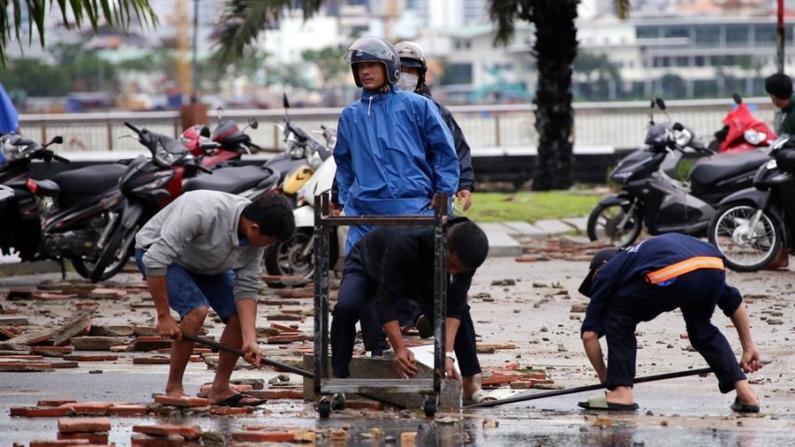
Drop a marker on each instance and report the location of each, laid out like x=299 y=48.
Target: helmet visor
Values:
x=369 y=50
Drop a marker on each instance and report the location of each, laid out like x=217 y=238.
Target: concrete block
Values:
x=96 y=343
x=379 y=368
x=521 y=228
x=14 y=321
x=580 y=223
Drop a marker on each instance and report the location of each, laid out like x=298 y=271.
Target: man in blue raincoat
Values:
x=394 y=152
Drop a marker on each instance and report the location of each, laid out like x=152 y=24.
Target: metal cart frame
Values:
x=325 y=385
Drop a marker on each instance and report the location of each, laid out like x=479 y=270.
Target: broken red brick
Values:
x=54 y=402
x=19 y=293
x=295 y=293
x=25 y=367
x=5 y=333
x=182 y=401
x=51 y=349
x=263 y=436
x=284 y=328
x=275 y=339
x=83 y=425
x=107 y=293
x=128 y=410
x=62 y=365
x=92 y=358
x=46 y=296
x=90 y=408
x=278 y=394
x=186 y=431
x=150 y=343
x=48 y=412
x=499 y=379
x=94 y=438
x=86 y=304
x=16 y=311
x=142 y=440
x=59 y=443
x=21 y=357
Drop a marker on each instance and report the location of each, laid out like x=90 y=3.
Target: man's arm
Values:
x=247 y=314
x=750 y=359
x=343 y=178
x=466 y=179
x=246 y=289
x=593 y=350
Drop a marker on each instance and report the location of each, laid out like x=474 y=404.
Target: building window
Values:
x=457 y=74
x=699 y=61
x=764 y=35
x=682 y=61
x=737 y=35
x=647 y=32
x=707 y=35
x=677 y=31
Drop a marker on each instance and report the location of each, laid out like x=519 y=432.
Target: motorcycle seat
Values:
x=91 y=179
x=232 y=180
x=721 y=166
x=47 y=188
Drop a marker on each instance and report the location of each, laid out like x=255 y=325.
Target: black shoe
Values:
x=425 y=327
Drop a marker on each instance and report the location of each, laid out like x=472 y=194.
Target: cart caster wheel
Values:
x=324 y=408
x=338 y=402
x=430 y=407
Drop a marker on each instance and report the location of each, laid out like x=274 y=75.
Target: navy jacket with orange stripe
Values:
x=658 y=260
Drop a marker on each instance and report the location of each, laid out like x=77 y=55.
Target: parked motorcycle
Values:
x=752 y=226
x=296 y=256
x=149 y=184
x=300 y=159
x=742 y=131
x=650 y=197
x=223 y=146
x=62 y=218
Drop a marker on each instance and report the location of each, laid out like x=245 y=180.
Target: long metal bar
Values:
x=319 y=361
x=360 y=386
x=240 y=352
x=526 y=397
x=439 y=298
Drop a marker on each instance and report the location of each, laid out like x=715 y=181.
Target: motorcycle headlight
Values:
x=10 y=152
x=771 y=164
x=159 y=180
x=754 y=137
x=295 y=150
x=164 y=157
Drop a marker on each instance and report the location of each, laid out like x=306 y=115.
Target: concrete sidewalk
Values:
x=503 y=236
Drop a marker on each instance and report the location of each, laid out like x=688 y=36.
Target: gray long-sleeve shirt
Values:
x=198 y=231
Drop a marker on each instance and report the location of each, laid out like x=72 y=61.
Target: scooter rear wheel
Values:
x=745 y=251
x=605 y=224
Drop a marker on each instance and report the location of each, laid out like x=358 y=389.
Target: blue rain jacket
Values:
x=393 y=152
x=9 y=120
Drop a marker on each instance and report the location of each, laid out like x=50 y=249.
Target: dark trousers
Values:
x=696 y=294
x=355 y=304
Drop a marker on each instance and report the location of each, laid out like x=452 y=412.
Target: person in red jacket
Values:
x=654 y=276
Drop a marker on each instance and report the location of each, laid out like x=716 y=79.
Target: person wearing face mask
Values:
x=413 y=68
x=394 y=152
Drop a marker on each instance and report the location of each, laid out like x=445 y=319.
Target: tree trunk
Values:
x=555 y=50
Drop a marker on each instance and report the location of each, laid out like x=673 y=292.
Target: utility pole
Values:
x=780 y=37
x=194 y=95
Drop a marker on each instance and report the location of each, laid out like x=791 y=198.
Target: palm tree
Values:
x=555 y=49
x=116 y=13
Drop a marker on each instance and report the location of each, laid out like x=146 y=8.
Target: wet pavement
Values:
x=534 y=314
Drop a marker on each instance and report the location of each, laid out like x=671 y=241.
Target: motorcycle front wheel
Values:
x=114 y=256
x=611 y=224
x=745 y=250
x=295 y=257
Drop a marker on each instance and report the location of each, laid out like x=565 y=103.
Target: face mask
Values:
x=407 y=82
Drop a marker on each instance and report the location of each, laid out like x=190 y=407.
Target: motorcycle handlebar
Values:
x=61 y=159
x=133 y=128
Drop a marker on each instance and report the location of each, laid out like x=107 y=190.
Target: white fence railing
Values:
x=504 y=128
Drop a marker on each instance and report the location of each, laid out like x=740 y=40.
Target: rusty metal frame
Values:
x=323 y=383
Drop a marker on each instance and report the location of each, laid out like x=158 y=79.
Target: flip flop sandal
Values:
x=599 y=402
x=236 y=400
x=478 y=397
x=744 y=408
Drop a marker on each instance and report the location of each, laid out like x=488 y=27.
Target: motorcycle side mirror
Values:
x=737 y=98
x=205 y=132
x=678 y=127
x=219 y=113
x=660 y=103
x=253 y=123
x=285 y=102
x=56 y=140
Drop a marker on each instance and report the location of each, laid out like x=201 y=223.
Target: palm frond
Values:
x=242 y=21
x=77 y=11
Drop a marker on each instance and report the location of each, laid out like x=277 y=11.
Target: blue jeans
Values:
x=188 y=291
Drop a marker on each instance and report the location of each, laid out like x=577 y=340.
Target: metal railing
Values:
x=488 y=128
